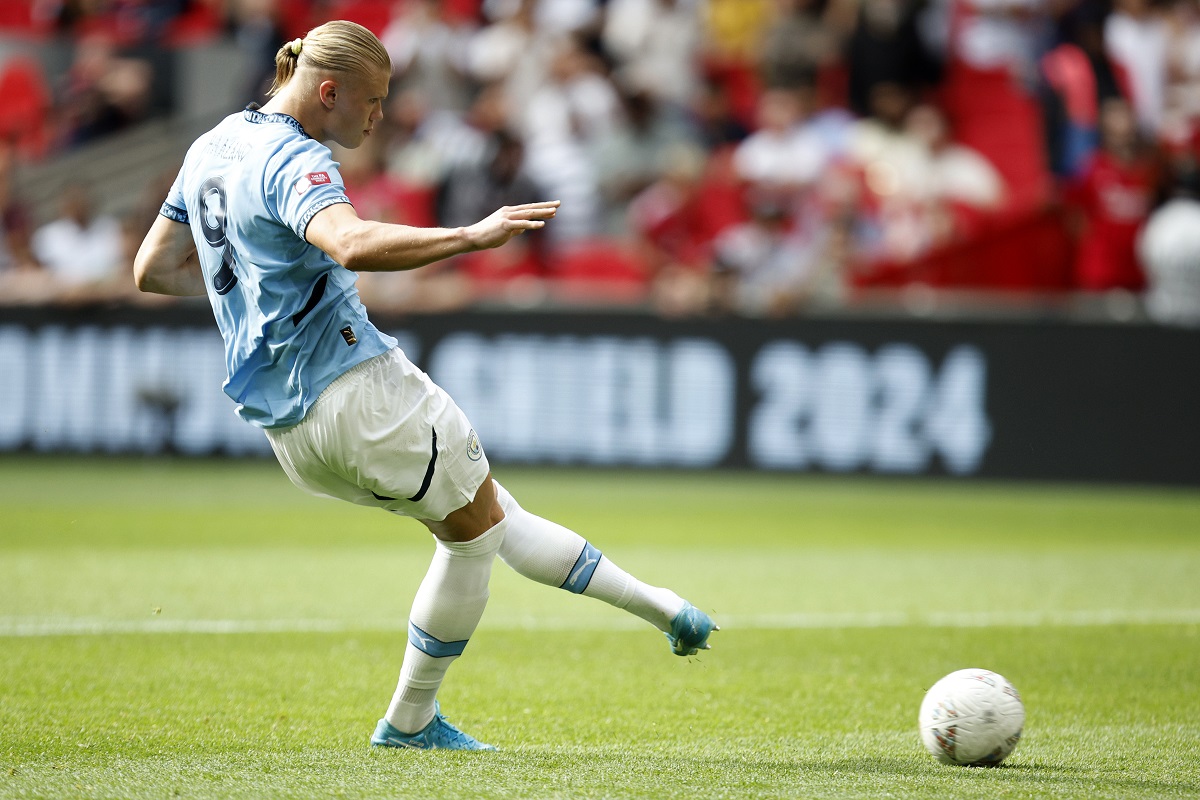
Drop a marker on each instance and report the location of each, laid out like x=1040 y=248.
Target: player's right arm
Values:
x=167 y=263
x=366 y=246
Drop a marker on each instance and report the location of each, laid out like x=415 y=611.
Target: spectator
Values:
x=733 y=28
x=1078 y=77
x=945 y=192
x=999 y=35
x=632 y=157
x=428 y=52
x=1181 y=154
x=132 y=21
x=1182 y=98
x=886 y=47
x=842 y=238
x=405 y=198
x=1111 y=201
x=892 y=161
x=377 y=193
x=789 y=148
x=1136 y=37
x=563 y=121
x=105 y=93
x=15 y=221
x=953 y=175
x=673 y=226
x=257 y=31
x=80 y=250
x=424 y=143
x=512 y=51
x=798 y=46
x=145 y=21
x=732 y=37
x=922 y=189
x=762 y=266
x=497 y=180
x=22 y=281
x=656 y=44
x=713 y=118
x=577 y=102
x=572 y=16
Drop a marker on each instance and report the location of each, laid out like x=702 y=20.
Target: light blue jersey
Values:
x=290 y=315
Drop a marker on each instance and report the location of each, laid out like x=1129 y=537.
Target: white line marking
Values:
x=74 y=626
x=986 y=619
x=106 y=627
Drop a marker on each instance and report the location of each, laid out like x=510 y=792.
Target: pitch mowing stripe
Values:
x=73 y=626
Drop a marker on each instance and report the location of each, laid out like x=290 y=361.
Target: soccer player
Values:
x=258 y=220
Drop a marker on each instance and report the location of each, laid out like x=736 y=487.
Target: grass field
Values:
x=172 y=629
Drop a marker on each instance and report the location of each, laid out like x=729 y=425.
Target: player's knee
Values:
x=472 y=520
x=489 y=504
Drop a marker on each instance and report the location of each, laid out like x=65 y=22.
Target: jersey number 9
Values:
x=212 y=222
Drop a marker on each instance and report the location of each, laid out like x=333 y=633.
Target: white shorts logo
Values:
x=474 y=449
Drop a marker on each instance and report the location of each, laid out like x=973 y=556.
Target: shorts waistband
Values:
x=350 y=374
x=336 y=384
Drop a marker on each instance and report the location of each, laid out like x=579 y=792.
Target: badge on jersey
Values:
x=310 y=180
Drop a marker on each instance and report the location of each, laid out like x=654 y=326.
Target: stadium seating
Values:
x=25 y=120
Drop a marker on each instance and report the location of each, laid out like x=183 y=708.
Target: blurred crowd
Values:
x=758 y=157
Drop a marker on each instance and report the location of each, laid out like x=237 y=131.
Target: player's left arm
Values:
x=368 y=246
x=166 y=263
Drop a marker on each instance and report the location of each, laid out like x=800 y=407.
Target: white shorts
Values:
x=384 y=435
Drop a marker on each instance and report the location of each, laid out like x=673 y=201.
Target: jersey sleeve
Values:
x=302 y=182
x=174 y=207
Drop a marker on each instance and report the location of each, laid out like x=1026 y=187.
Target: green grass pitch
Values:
x=203 y=629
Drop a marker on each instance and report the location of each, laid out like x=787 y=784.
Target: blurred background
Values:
x=955 y=237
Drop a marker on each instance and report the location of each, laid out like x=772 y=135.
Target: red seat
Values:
x=1017 y=251
x=25 y=119
x=598 y=271
x=200 y=23
x=374 y=15
x=17 y=15
x=462 y=11
x=990 y=113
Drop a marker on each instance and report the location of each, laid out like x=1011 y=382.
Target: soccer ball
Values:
x=972 y=717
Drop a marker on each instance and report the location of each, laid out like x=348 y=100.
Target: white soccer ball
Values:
x=972 y=717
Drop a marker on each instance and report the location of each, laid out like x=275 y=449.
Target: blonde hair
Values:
x=336 y=46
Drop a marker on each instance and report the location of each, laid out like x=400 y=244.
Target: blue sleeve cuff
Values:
x=312 y=210
x=171 y=212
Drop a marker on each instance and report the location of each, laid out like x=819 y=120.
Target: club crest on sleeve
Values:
x=310 y=180
x=474 y=448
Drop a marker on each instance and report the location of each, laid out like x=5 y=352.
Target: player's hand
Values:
x=510 y=221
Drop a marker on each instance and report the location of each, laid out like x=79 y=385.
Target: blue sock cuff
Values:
x=433 y=646
x=581 y=574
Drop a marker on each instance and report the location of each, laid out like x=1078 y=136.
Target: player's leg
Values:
x=548 y=553
x=385 y=436
x=447 y=607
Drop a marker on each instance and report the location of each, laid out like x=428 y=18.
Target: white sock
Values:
x=548 y=553
x=445 y=611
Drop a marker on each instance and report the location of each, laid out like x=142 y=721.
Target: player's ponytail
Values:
x=336 y=46
x=287 y=58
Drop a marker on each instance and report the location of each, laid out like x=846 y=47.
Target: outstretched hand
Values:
x=510 y=221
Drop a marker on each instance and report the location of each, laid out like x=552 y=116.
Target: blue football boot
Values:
x=690 y=630
x=437 y=735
